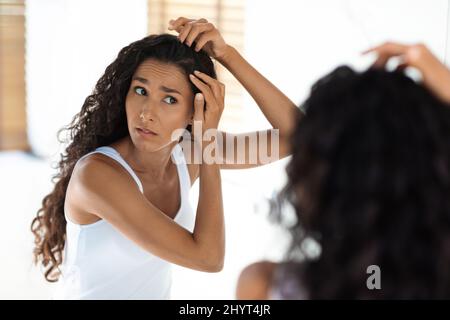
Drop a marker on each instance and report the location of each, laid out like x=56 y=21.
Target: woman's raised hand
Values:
x=209 y=104
x=436 y=76
x=201 y=33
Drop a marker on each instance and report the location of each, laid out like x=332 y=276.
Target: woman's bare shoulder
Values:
x=89 y=175
x=255 y=281
x=95 y=166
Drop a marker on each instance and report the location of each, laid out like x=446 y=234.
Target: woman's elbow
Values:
x=211 y=258
x=212 y=262
x=214 y=265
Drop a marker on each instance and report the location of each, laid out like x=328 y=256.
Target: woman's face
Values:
x=158 y=102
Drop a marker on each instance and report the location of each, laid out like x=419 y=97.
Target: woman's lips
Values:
x=146 y=132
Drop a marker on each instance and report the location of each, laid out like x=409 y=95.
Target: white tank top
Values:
x=101 y=263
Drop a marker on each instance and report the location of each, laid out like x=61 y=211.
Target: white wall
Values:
x=295 y=42
x=69 y=43
x=24 y=182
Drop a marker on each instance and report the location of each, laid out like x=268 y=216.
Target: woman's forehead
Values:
x=162 y=73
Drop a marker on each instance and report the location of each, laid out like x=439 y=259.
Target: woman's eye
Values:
x=140 y=91
x=170 y=100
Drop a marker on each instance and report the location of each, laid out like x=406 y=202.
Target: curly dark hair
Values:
x=102 y=121
x=369 y=181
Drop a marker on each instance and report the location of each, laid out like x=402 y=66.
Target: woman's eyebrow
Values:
x=164 y=88
x=170 y=90
x=143 y=80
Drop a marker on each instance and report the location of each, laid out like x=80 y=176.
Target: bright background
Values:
x=68 y=45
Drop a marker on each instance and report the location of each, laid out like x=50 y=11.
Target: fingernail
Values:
x=198 y=96
x=197 y=72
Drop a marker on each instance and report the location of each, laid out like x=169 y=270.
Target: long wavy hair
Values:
x=102 y=121
x=369 y=181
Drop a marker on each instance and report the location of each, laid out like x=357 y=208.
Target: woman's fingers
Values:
x=178 y=23
x=196 y=30
x=390 y=49
x=213 y=108
x=184 y=32
x=222 y=91
x=203 y=39
x=199 y=105
x=410 y=55
x=199 y=116
x=386 y=51
x=217 y=87
x=380 y=62
x=435 y=75
x=206 y=90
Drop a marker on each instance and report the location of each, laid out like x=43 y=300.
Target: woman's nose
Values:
x=148 y=112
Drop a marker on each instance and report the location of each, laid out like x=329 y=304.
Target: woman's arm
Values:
x=276 y=107
x=209 y=224
x=106 y=190
x=102 y=187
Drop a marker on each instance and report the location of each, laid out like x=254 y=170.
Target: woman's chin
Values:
x=146 y=145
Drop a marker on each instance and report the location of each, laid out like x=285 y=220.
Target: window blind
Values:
x=229 y=17
x=12 y=75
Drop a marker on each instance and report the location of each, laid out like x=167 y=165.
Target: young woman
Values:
x=119 y=213
x=369 y=181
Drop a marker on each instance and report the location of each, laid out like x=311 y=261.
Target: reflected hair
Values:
x=369 y=182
